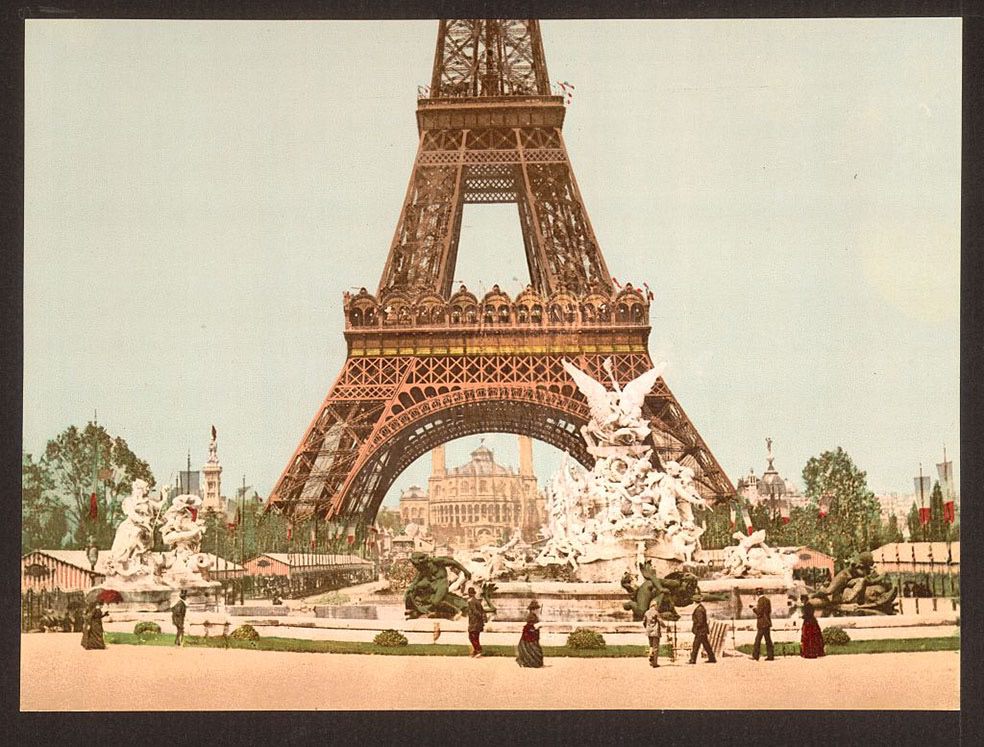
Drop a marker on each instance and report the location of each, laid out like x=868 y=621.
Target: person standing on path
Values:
x=654 y=631
x=701 y=630
x=178 y=618
x=529 y=653
x=763 y=627
x=92 y=628
x=476 y=622
x=811 y=640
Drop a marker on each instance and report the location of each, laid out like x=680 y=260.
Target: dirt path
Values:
x=57 y=674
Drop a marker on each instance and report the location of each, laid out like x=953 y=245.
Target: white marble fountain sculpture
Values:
x=147 y=580
x=624 y=509
x=752 y=558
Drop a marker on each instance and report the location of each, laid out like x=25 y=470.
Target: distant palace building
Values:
x=771 y=489
x=480 y=502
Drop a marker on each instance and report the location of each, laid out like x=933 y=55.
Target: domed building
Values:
x=771 y=488
x=479 y=502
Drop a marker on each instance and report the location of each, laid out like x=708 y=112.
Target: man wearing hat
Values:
x=178 y=618
x=476 y=622
x=701 y=631
x=654 y=630
x=763 y=626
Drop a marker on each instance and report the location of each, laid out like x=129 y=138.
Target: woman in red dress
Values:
x=811 y=641
x=529 y=653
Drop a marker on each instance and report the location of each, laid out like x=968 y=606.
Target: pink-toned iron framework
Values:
x=426 y=365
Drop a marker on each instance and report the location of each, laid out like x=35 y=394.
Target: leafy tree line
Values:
x=853 y=521
x=937 y=529
x=57 y=507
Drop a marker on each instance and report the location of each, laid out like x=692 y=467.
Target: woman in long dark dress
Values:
x=92 y=627
x=529 y=652
x=811 y=639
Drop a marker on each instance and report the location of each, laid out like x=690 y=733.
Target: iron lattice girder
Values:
x=442 y=397
x=489 y=57
x=561 y=249
x=490 y=132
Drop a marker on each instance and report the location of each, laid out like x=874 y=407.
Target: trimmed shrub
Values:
x=147 y=626
x=245 y=633
x=836 y=636
x=390 y=639
x=585 y=638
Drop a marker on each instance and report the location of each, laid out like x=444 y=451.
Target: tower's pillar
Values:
x=438 y=468
x=525 y=456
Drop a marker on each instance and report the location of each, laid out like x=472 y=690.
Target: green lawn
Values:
x=889 y=645
x=302 y=645
x=358 y=647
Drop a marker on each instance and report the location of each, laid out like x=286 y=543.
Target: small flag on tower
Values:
x=213 y=432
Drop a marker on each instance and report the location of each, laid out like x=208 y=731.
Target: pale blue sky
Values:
x=200 y=194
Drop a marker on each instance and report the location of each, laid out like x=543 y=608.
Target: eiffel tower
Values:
x=428 y=363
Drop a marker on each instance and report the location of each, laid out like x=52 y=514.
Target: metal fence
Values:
x=52 y=609
x=301 y=584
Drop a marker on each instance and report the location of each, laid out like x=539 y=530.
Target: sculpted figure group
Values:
x=857 y=590
x=429 y=593
x=625 y=495
x=132 y=560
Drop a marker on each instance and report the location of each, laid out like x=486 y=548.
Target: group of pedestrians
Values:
x=528 y=652
x=811 y=641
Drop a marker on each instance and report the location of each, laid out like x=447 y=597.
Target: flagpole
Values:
x=922 y=500
x=242 y=541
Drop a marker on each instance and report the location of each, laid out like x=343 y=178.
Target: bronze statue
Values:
x=429 y=595
x=673 y=590
x=857 y=590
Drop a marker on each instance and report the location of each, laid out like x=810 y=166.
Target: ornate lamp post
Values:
x=92 y=553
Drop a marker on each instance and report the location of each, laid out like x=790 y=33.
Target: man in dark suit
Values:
x=476 y=622
x=763 y=627
x=701 y=630
x=178 y=618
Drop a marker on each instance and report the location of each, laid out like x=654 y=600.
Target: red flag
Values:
x=290 y=532
x=949 y=512
x=748 y=521
x=784 y=511
x=924 y=513
x=93 y=507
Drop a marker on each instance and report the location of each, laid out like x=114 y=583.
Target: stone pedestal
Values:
x=616 y=557
x=150 y=596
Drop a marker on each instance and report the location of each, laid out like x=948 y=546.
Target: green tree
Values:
x=717 y=527
x=43 y=520
x=915 y=530
x=892 y=532
x=852 y=524
x=936 y=529
x=79 y=462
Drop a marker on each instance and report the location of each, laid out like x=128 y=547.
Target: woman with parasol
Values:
x=92 y=625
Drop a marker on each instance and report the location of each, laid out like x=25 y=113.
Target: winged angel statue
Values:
x=625 y=495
